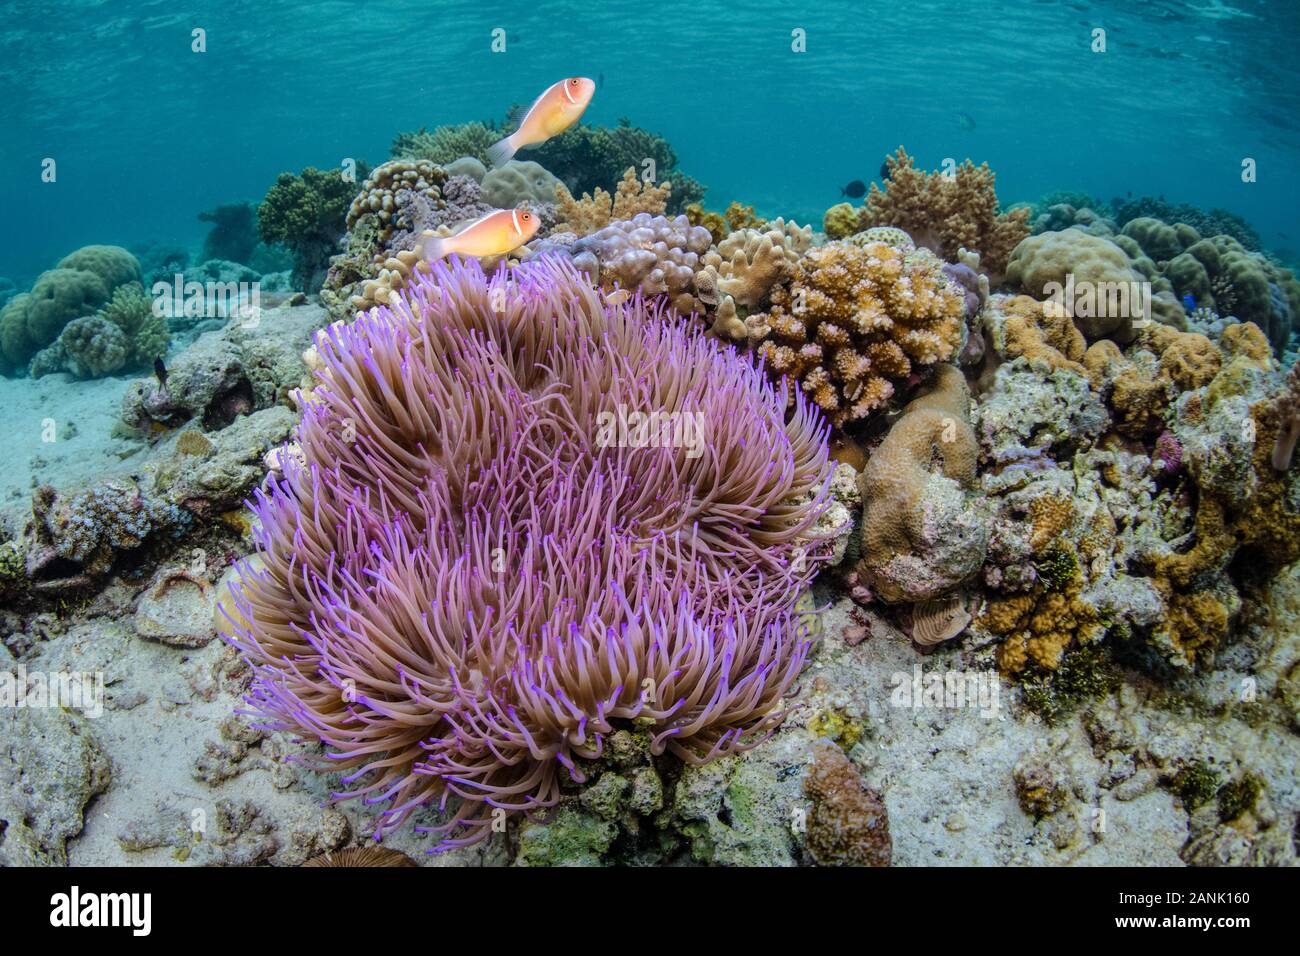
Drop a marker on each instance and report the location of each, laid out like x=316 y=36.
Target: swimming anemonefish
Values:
x=555 y=111
x=496 y=233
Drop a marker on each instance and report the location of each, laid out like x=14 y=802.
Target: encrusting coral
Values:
x=922 y=535
x=475 y=573
x=857 y=319
x=595 y=211
x=942 y=212
x=848 y=824
x=1287 y=409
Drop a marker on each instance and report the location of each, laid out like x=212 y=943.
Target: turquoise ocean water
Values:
x=147 y=134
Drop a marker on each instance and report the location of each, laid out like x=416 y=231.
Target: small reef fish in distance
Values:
x=965 y=121
x=555 y=111
x=884 y=170
x=493 y=235
x=854 y=190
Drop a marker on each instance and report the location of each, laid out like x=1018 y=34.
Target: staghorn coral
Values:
x=595 y=211
x=307 y=213
x=467 y=592
x=848 y=824
x=941 y=212
x=856 y=320
x=446 y=143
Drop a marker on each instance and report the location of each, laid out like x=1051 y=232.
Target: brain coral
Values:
x=519 y=182
x=474 y=576
x=855 y=320
x=921 y=536
x=943 y=212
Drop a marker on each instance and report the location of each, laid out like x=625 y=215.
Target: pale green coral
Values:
x=446 y=143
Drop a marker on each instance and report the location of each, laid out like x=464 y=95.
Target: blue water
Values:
x=148 y=134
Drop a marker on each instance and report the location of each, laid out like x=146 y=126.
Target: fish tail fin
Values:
x=500 y=153
x=433 y=248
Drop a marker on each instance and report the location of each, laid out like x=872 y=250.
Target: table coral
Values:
x=467 y=593
x=596 y=210
x=855 y=321
x=942 y=212
x=922 y=532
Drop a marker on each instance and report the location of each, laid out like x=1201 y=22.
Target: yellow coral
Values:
x=855 y=320
x=592 y=212
x=1041 y=334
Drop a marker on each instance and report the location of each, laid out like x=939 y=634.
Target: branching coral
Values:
x=739 y=275
x=474 y=576
x=446 y=143
x=855 y=320
x=940 y=211
x=587 y=157
x=307 y=214
x=595 y=211
x=720 y=224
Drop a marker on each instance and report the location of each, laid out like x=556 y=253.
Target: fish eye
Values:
x=573 y=82
x=525 y=217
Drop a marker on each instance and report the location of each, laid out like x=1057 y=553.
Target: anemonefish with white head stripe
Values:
x=493 y=235
x=555 y=111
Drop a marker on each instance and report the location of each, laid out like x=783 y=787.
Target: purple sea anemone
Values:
x=469 y=579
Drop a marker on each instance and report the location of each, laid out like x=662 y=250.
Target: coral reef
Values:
x=1054 y=264
x=1216 y=222
x=233 y=235
x=588 y=157
x=124 y=334
x=855 y=320
x=487 y=697
x=941 y=212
